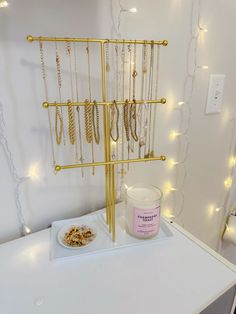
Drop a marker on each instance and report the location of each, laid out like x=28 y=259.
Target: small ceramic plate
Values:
x=64 y=229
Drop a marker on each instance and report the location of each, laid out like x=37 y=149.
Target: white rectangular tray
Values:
x=103 y=240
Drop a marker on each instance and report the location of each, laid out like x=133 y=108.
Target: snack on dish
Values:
x=78 y=236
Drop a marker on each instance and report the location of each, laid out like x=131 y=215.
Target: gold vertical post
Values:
x=106 y=138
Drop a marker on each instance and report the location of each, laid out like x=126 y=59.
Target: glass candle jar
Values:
x=143 y=204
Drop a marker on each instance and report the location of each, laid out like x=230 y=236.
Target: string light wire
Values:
x=17 y=180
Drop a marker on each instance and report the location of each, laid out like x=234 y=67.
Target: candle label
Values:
x=146 y=221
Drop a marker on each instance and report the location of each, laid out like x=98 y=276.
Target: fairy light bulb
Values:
x=180 y=103
x=26 y=230
x=4 y=4
x=228 y=182
x=203 y=67
x=133 y=10
x=168 y=213
x=171 y=163
x=168 y=188
x=33 y=172
x=203 y=29
x=174 y=134
x=218 y=209
x=232 y=161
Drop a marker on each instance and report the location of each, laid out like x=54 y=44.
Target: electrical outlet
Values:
x=215 y=93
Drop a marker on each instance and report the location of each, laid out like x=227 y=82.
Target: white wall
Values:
x=21 y=93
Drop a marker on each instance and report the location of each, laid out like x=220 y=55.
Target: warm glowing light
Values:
x=173 y=134
x=204 y=67
x=26 y=229
x=168 y=188
x=218 y=209
x=181 y=103
x=228 y=182
x=168 y=213
x=33 y=172
x=203 y=29
x=171 y=163
x=113 y=143
x=133 y=10
x=232 y=161
x=3 y=4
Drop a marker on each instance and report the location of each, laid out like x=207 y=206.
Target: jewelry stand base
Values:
x=103 y=241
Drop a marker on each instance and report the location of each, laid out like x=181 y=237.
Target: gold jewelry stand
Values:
x=108 y=163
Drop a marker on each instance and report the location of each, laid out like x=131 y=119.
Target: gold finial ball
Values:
x=165 y=42
x=30 y=38
x=163 y=100
x=163 y=158
x=45 y=104
x=57 y=168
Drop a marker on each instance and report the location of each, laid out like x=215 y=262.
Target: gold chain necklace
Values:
x=133 y=121
x=78 y=109
x=126 y=119
x=88 y=111
x=156 y=94
x=70 y=108
x=88 y=121
x=44 y=77
x=140 y=109
x=71 y=122
x=95 y=117
x=59 y=114
x=115 y=111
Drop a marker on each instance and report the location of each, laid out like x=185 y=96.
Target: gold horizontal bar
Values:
x=158 y=101
x=104 y=163
x=94 y=40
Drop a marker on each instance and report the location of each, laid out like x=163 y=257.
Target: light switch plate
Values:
x=215 y=93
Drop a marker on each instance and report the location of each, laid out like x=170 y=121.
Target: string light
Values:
x=180 y=103
x=133 y=10
x=232 y=161
x=228 y=182
x=203 y=67
x=173 y=134
x=204 y=30
x=34 y=173
x=17 y=180
x=168 y=188
x=171 y=163
x=3 y=4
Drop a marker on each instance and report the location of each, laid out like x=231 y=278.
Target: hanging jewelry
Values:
x=150 y=87
x=95 y=115
x=59 y=112
x=88 y=120
x=140 y=108
x=58 y=123
x=78 y=108
x=126 y=119
x=89 y=109
x=114 y=112
x=133 y=120
x=70 y=108
x=71 y=119
x=156 y=95
x=44 y=77
x=107 y=57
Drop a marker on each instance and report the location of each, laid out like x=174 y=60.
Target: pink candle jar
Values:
x=143 y=205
